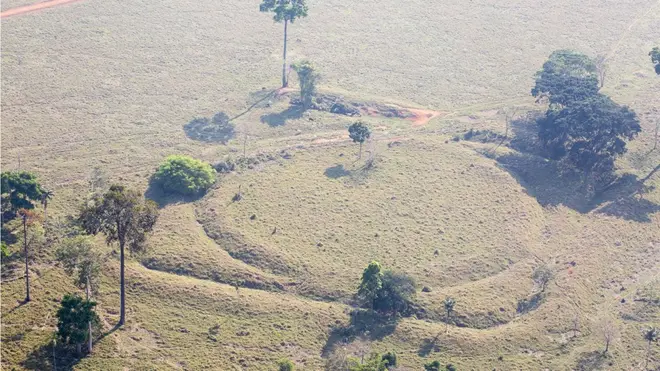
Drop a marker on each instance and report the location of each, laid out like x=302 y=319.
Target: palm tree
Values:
x=45 y=196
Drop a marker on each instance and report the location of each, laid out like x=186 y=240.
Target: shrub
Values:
x=432 y=366
x=184 y=175
x=285 y=365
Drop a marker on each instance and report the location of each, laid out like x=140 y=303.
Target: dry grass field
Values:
x=111 y=84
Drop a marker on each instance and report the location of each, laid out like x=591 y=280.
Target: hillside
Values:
x=237 y=285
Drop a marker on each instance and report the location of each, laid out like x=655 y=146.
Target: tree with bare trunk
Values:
x=285 y=11
x=601 y=69
x=449 y=304
x=359 y=132
x=609 y=332
x=30 y=234
x=650 y=335
x=122 y=215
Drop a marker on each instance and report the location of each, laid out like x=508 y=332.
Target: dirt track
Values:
x=33 y=7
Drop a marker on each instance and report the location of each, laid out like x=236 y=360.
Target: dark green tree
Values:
x=285 y=11
x=184 y=175
x=73 y=318
x=396 y=293
x=655 y=58
x=122 y=215
x=432 y=366
x=566 y=77
x=372 y=283
x=590 y=133
x=308 y=77
x=359 y=132
x=390 y=358
x=20 y=189
x=449 y=304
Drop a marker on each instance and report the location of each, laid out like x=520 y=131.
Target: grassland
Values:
x=114 y=88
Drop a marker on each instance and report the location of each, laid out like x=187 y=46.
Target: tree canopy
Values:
x=308 y=77
x=20 y=189
x=184 y=175
x=566 y=77
x=590 y=133
x=386 y=291
x=581 y=125
x=79 y=259
x=285 y=10
x=73 y=319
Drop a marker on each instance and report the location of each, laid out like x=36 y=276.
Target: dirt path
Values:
x=33 y=7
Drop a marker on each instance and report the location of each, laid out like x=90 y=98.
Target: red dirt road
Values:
x=34 y=7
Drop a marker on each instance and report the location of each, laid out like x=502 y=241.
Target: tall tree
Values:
x=308 y=78
x=285 y=11
x=371 y=284
x=73 y=318
x=30 y=234
x=79 y=258
x=359 y=132
x=122 y=215
x=655 y=58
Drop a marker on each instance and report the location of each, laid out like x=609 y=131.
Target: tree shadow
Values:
x=553 y=185
x=280 y=118
x=428 y=346
x=591 y=361
x=155 y=193
x=50 y=357
x=363 y=323
x=336 y=172
x=217 y=129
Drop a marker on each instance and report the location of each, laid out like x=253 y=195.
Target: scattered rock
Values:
x=253 y=217
x=426 y=289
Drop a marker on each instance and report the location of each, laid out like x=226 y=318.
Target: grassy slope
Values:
x=114 y=89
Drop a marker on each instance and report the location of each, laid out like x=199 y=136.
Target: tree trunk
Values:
x=122 y=293
x=27 y=271
x=360 y=154
x=607 y=345
x=650 y=174
x=447 y=324
x=78 y=348
x=89 y=324
x=285 y=83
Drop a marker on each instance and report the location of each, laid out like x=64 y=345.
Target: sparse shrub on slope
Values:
x=184 y=175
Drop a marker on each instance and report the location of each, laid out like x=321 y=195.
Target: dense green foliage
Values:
x=184 y=175
x=386 y=291
x=79 y=259
x=371 y=284
x=581 y=125
x=432 y=366
x=590 y=133
x=566 y=77
x=655 y=58
x=359 y=132
x=122 y=215
x=285 y=365
x=73 y=319
x=308 y=77
x=20 y=189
